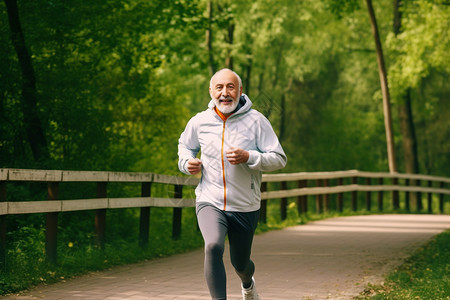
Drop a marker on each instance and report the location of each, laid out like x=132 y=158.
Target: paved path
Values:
x=329 y=259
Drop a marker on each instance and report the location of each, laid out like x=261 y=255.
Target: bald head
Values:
x=226 y=70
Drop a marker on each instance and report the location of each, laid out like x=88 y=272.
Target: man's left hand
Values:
x=237 y=156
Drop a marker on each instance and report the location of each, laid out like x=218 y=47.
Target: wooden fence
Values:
x=318 y=184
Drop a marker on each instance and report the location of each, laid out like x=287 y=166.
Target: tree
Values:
x=384 y=89
x=418 y=50
x=33 y=126
x=209 y=38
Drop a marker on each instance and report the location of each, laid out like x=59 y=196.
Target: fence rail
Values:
x=323 y=184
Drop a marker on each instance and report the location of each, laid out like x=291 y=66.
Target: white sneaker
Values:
x=250 y=293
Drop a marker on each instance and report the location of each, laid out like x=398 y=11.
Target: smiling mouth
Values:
x=225 y=101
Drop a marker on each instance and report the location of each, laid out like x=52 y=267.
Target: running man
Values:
x=237 y=144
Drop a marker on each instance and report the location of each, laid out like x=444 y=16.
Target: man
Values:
x=237 y=144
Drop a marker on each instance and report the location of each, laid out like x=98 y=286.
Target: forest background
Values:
x=115 y=82
x=110 y=85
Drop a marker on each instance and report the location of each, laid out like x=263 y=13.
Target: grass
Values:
x=424 y=275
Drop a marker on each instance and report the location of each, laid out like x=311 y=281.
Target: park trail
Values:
x=330 y=259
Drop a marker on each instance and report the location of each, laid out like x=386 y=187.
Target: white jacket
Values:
x=226 y=186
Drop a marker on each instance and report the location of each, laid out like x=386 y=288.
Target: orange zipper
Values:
x=224 y=119
x=223 y=170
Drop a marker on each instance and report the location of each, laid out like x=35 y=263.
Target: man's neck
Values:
x=223 y=116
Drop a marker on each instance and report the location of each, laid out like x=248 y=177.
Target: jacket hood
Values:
x=245 y=104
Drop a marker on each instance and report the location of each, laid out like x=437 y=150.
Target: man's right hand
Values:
x=194 y=166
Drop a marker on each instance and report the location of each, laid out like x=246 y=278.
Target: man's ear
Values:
x=240 y=92
x=210 y=92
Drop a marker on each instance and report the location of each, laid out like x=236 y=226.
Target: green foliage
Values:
x=25 y=255
x=431 y=109
x=118 y=80
x=342 y=7
x=100 y=100
x=425 y=275
x=422 y=46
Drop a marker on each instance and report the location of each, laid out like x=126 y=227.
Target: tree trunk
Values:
x=282 y=117
x=247 y=76
x=409 y=139
x=33 y=126
x=384 y=90
x=405 y=112
x=408 y=135
x=397 y=17
x=261 y=81
x=248 y=69
x=230 y=39
x=277 y=66
x=209 y=37
x=283 y=109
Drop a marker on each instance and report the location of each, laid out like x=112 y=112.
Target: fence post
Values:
x=263 y=210
x=407 y=200
x=326 y=204
x=144 y=220
x=395 y=200
x=100 y=217
x=368 y=196
x=51 y=225
x=302 y=203
x=319 y=198
x=340 y=197
x=380 y=195
x=2 y=226
x=176 y=220
x=430 y=198
x=354 y=195
x=419 y=197
x=283 y=202
x=441 y=199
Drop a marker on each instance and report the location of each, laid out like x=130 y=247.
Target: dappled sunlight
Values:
x=396 y=223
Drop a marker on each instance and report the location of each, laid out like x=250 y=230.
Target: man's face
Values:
x=225 y=91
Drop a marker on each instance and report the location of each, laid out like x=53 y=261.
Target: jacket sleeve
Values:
x=188 y=146
x=270 y=155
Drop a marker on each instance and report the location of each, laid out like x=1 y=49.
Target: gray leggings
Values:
x=215 y=224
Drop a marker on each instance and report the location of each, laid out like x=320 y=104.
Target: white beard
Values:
x=226 y=109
